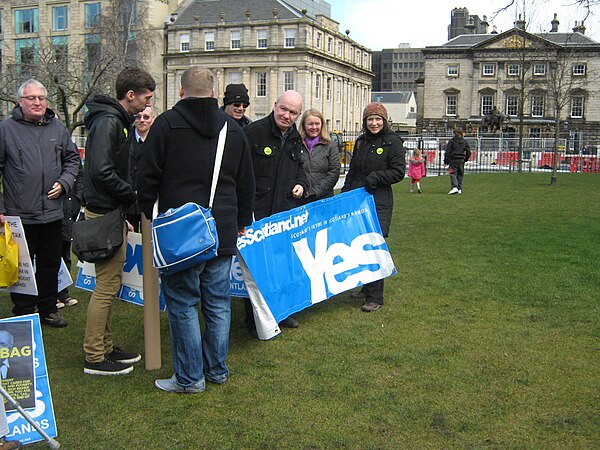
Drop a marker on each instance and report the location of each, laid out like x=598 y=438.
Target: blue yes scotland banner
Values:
x=306 y=255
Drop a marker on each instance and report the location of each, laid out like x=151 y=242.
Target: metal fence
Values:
x=495 y=154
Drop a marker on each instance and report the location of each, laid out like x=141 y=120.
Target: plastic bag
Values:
x=9 y=259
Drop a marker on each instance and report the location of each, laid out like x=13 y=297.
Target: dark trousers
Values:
x=45 y=245
x=373 y=292
x=457 y=173
x=66 y=256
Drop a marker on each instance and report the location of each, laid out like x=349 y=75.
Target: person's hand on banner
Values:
x=371 y=183
x=241 y=231
x=297 y=191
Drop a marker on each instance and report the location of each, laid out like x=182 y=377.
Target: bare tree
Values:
x=74 y=72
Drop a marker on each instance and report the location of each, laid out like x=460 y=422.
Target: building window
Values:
x=513 y=70
x=487 y=102
x=340 y=48
x=539 y=70
x=290 y=38
x=25 y=52
x=328 y=90
x=451 y=105
x=488 y=70
x=453 y=70
x=235 y=40
x=209 y=41
x=26 y=21
x=261 y=38
x=338 y=124
x=184 y=43
x=60 y=18
x=579 y=70
x=261 y=84
x=512 y=105
x=288 y=81
x=537 y=106
x=577 y=107
x=318 y=87
x=319 y=39
x=338 y=91
x=92 y=13
x=93 y=51
x=235 y=77
x=60 y=51
x=330 y=44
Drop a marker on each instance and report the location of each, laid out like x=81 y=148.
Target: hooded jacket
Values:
x=33 y=156
x=458 y=149
x=277 y=167
x=106 y=180
x=378 y=161
x=178 y=161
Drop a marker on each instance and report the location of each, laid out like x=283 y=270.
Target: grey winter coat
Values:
x=33 y=156
x=322 y=167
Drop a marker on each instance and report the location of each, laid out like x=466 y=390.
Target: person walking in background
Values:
x=277 y=160
x=106 y=187
x=71 y=209
x=38 y=164
x=457 y=152
x=177 y=167
x=321 y=158
x=142 y=123
x=235 y=103
x=416 y=170
x=378 y=161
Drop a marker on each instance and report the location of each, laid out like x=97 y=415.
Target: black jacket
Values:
x=72 y=206
x=277 y=167
x=378 y=161
x=177 y=166
x=106 y=181
x=457 y=150
x=136 y=153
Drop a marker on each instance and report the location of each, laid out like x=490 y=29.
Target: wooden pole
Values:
x=151 y=303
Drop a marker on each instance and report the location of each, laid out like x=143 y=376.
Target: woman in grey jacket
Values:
x=322 y=158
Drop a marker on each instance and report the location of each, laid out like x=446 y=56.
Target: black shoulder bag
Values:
x=99 y=238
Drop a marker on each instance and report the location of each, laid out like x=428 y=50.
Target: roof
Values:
x=208 y=11
x=392 y=97
x=563 y=39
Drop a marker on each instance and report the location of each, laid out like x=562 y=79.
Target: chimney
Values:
x=579 y=27
x=554 y=24
x=520 y=23
x=484 y=25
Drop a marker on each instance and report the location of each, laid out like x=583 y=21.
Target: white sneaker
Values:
x=460 y=191
x=454 y=191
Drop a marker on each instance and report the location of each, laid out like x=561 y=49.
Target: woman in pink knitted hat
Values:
x=378 y=161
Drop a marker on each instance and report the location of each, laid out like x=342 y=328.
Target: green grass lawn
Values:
x=489 y=338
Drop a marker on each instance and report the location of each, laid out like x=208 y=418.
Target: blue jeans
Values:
x=197 y=356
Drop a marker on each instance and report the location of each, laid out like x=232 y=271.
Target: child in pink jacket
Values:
x=416 y=170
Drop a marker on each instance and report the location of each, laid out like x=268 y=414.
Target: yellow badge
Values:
x=268 y=151
x=126 y=133
x=379 y=151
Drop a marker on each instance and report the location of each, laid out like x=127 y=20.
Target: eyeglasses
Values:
x=142 y=116
x=32 y=98
x=239 y=105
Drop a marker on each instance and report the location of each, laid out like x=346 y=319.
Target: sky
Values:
x=379 y=24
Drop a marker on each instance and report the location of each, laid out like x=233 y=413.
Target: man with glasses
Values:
x=277 y=148
x=38 y=165
x=141 y=125
x=235 y=103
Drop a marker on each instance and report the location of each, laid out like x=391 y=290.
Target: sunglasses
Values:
x=142 y=116
x=240 y=105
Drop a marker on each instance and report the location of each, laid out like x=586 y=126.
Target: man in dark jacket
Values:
x=457 y=152
x=38 y=164
x=276 y=148
x=177 y=167
x=235 y=103
x=106 y=187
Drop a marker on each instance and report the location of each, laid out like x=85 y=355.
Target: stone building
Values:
x=397 y=69
x=270 y=46
x=472 y=75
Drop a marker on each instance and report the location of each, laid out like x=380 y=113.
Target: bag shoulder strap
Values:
x=218 y=161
